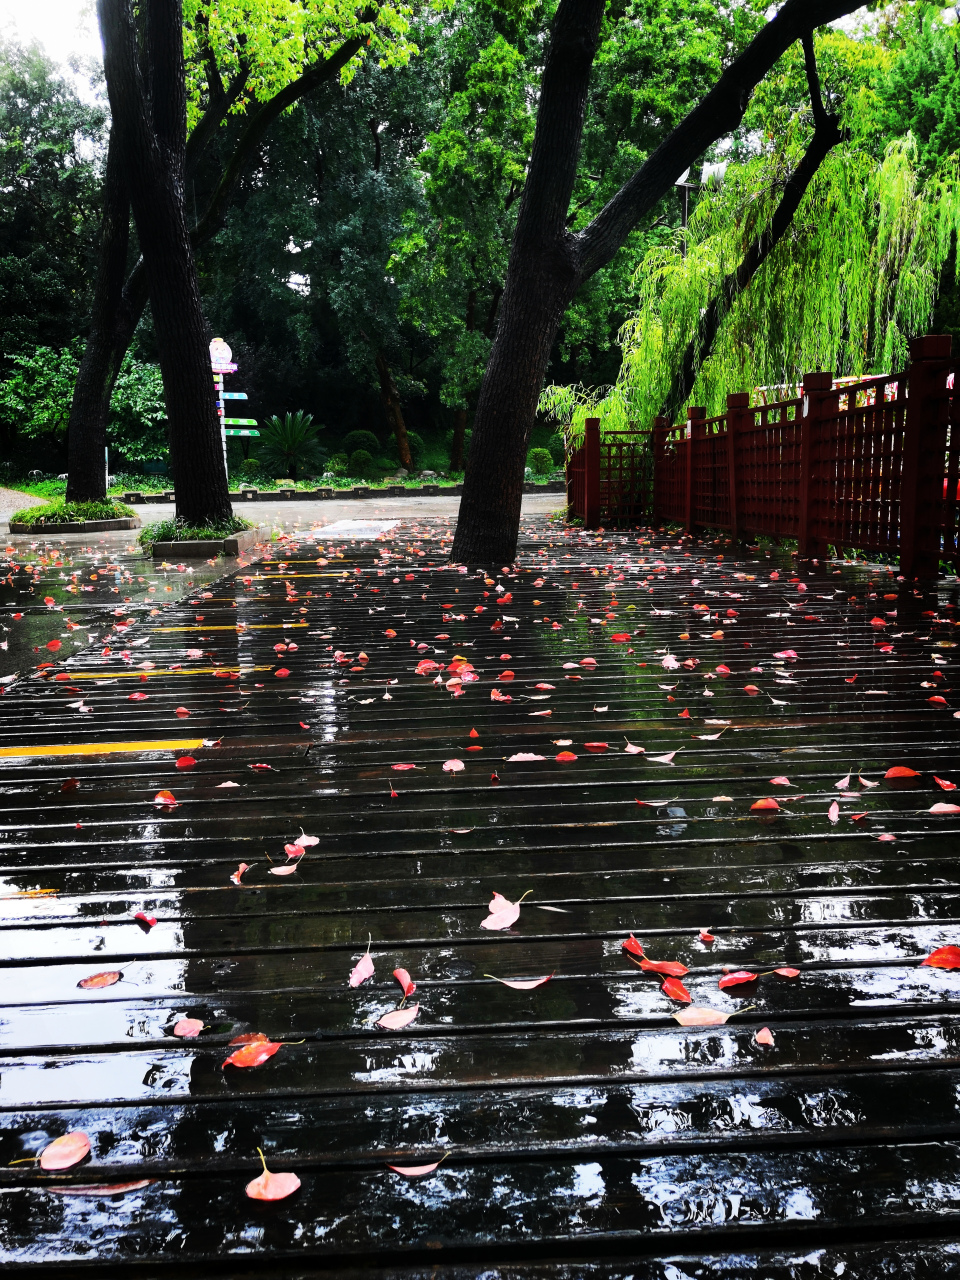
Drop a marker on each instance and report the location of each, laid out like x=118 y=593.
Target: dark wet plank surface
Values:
x=577 y=1118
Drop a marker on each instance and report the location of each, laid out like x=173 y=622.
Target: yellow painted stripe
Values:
x=185 y=671
x=98 y=748
x=250 y=626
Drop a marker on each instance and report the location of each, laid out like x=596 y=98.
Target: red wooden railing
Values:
x=873 y=465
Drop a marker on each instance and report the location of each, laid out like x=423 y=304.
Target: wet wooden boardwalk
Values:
x=584 y=1131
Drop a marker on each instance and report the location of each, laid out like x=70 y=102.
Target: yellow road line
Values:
x=249 y=626
x=97 y=748
x=184 y=671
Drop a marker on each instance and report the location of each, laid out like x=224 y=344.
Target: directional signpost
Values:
x=220 y=363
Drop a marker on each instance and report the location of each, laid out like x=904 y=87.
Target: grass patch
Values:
x=64 y=512
x=175 y=530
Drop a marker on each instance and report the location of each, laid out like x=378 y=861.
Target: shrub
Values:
x=338 y=464
x=174 y=530
x=249 y=469
x=66 y=512
x=362 y=465
x=290 y=443
x=557 y=450
x=416 y=444
x=540 y=462
x=355 y=440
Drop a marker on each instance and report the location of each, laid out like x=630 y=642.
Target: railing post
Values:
x=924 y=448
x=591 y=474
x=818 y=401
x=695 y=414
x=738 y=406
x=660 y=427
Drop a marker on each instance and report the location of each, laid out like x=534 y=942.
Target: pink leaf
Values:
x=503 y=913
x=453 y=766
x=413 y=1170
x=781 y=781
x=362 y=970
x=833 y=813
x=406 y=982
x=187 y=1028
x=520 y=984
x=65 y=1152
x=700 y=1016
x=398 y=1018
x=244 y=866
x=764 y=1036
x=945 y=808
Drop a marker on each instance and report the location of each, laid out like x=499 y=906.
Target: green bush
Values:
x=355 y=440
x=416 y=444
x=174 y=530
x=557 y=450
x=338 y=464
x=362 y=465
x=66 y=512
x=249 y=469
x=540 y=462
x=289 y=444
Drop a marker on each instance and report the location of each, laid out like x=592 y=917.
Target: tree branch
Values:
x=813 y=79
x=211 y=120
x=259 y=123
x=716 y=115
x=826 y=136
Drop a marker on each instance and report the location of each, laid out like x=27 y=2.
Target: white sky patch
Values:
x=65 y=28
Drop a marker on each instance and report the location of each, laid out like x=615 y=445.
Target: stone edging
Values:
x=233 y=545
x=77 y=526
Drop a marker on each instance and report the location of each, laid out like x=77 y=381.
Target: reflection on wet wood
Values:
x=576 y=1118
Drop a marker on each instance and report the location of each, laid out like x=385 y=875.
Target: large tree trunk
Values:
x=394 y=411
x=117 y=314
x=548 y=264
x=149 y=118
x=89 y=409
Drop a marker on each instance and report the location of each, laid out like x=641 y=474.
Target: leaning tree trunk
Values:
x=394 y=410
x=548 y=263
x=148 y=104
x=89 y=409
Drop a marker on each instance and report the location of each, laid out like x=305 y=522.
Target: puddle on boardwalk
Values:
x=230 y=780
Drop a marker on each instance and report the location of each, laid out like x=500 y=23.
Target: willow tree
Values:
x=246 y=62
x=854 y=276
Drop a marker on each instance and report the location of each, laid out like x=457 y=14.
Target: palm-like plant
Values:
x=289 y=443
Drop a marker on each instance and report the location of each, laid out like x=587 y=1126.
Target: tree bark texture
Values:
x=148 y=103
x=548 y=263
x=394 y=411
x=90 y=406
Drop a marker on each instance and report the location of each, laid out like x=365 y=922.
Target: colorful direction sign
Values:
x=221 y=363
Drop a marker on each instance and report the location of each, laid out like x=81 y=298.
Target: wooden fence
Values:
x=873 y=465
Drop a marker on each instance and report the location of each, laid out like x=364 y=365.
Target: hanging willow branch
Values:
x=827 y=135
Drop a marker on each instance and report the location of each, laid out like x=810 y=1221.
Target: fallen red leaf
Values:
x=767 y=803
x=943 y=958
x=945 y=808
x=788 y=973
x=406 y=982
x=595 y=747
x=675 y=989
x=272 y=1186
x=188 y=1028
x=281 y=673
x=96 y=980
x=901 y=771
x=165 y=799
x=398 y=1018
x=186 y=762
x=706 y=936
x=673 y=967
x=566 y=756
x=235 y=877
x=144 y=919
x=253 y=1054
x=414 y=1170
x=700 y=1016
x=362 y=970
x=764 y=1036
x=941 y=782
x=520 y=984
x=734 y=979
x=66 y=1151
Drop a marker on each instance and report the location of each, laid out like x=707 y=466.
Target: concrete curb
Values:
x=77 y=526
x=233 y=545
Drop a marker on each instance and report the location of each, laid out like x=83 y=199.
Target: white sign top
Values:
x=220 y=352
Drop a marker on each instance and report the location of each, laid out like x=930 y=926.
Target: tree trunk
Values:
x=391 y=403
x=116 y=315
x=90 y=407
x=460 y=416
x=459 y=439
x=149 y=118
x=548 y=264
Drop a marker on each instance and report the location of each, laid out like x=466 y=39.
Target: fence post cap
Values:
x=932 y=346
x=817 y=381
x=738 y=400
x=696 y=411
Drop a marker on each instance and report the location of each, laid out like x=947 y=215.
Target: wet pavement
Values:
x=625 y=734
